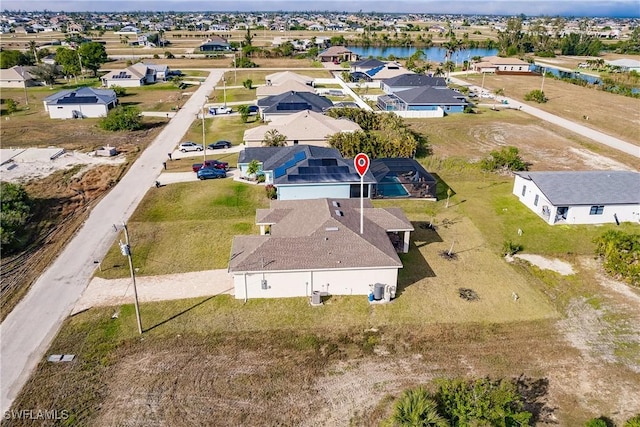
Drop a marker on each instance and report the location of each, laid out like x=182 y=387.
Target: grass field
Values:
x=227 y=128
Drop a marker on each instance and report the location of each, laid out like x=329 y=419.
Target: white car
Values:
x=190 y=146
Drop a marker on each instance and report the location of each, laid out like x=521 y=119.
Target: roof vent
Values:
x=331 y=229
x=336 y=204
x=338 y=212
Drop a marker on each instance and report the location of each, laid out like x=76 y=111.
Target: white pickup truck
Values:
x=220 y=110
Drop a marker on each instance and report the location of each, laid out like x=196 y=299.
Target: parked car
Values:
x=219 y=144
x=220 y=110
x=253 y=109
x=190 y=146
x=211 y=173
x=210 y=164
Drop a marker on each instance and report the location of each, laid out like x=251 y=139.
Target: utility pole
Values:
x=125 y=248
x=204 y=144
x=542 y=85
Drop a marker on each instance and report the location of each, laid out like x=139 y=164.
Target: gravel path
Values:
x=103 y=292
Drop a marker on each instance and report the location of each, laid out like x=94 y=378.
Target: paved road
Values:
x=585 y=131
x=28 y=330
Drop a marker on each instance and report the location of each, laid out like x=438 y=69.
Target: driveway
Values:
x=28 y=330
x=103 y=292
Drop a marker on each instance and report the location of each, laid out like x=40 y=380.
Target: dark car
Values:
x=210 y=164
x=211 y=173
x=253 y=109
x=219 y=144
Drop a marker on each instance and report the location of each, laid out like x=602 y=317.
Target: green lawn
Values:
x=236 y=94
x=216 y=128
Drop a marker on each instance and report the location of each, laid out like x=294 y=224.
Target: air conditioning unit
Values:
x=316 y=298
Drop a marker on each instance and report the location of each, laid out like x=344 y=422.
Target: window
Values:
x=596 y=210
x=535 y=201
x=524 y=190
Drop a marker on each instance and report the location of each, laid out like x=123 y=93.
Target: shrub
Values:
x=510 y=248
x=633 y=421
x=416 y=408
x=119 y=90
x=12 y=105
x=536 y=95
x=14 y=217
x=596 y=422
x=169 y=55
x=261 y=178
x=122 y=118
x=272 y=193
x=505 y=159
x=248 y=83
x=621 y=254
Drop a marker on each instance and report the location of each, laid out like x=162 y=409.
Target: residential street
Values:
x=28 y=330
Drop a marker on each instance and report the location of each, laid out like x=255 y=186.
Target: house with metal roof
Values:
x=425 y=101
x=315 y=246
x=304 y=127
x=581 y=197
x=292 y=102
x=410 y=81
x=366 y=65
x=80 y=103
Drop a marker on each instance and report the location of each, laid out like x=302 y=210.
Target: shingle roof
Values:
x=283 y=76
x=405 y=80
x=431 y=95
x=310 y=234
x=334 y=50
x=367 y=63
x=292 y=102
x=587 y=187
x=305 y=126
x=283 y=87
x=16 y=72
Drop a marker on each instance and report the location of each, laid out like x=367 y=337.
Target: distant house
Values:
x=290 y=103
x=496 y=64
x=337 y=54
x=215 y=44
x=285 y=76
x=135 y=75
x=625 y=64
x=366 y=65
x=316 y=246
x=80 y=103
x=410 y=81
x=16 y=77
x=307 y=172
x=584 y=197
x=283 y=87
x=425 y=101
x=128 y=30
x=304 y=127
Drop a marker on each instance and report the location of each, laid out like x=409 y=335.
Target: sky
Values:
x=578 y=8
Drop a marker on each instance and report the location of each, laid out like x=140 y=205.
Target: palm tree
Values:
x=32 y=48
x=273 y=138
x=449 y=66
x=415 y=408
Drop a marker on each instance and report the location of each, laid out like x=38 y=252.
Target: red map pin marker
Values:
x=361 y=162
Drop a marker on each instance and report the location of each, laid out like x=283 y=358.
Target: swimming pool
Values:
x=390 y=186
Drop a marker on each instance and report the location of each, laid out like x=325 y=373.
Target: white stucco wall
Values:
x=66 y=111
x=12 y=84
x=303 y=283
x=123 y=83
x=439 y=112
x=576 y=214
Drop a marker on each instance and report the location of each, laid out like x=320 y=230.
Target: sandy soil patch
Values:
x=37 y=164
x=555 y=264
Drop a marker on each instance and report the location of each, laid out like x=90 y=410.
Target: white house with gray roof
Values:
x=581 y=197
x=316 y=245
x=80 y=103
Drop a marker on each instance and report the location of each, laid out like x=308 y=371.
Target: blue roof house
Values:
x=425 y=101
x=307 y=172
x=80 y=103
